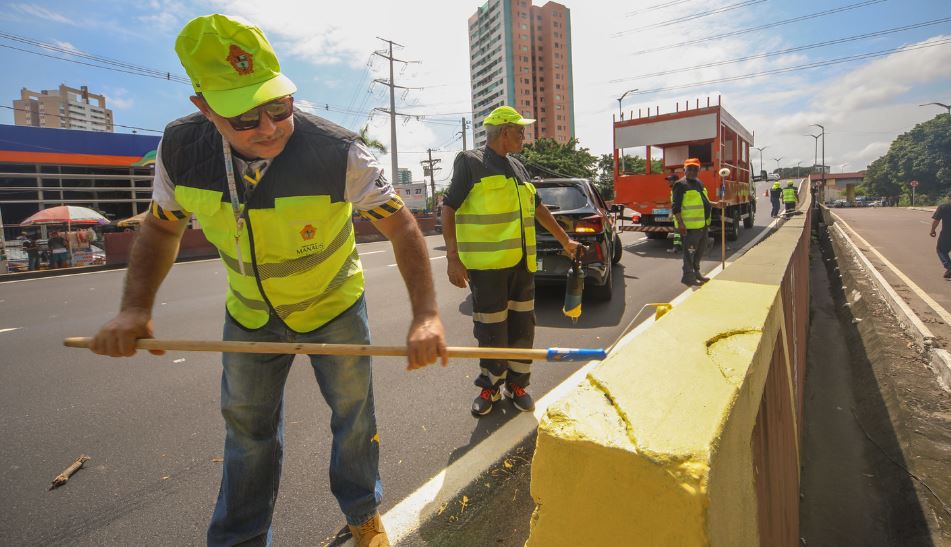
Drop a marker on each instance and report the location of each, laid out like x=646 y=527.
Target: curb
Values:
x=940 y=359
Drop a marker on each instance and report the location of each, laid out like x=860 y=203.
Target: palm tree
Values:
x=370 y=141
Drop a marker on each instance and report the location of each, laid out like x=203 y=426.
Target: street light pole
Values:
x=823 y=166
x=621 y=117
x=798 y=163
x=942 y=105
x=761 y=157
x=777 y=160
x=815 y=151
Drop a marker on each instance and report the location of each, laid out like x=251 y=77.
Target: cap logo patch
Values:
x=308 y=232
x=241 y=60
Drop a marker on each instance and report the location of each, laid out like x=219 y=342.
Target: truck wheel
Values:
x=750 y=218
x=733 y=228
x=603 y=293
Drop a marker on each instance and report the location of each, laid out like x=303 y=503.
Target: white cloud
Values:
x=43 y=13
x=66 y=46
x=119 y=99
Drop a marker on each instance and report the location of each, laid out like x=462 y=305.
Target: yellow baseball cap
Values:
x=506 y=114
x=231 y=64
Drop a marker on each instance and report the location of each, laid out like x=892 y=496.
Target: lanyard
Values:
x=235 y=204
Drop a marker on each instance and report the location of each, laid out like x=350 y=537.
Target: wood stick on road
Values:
x=550 y=354
x=61 y=479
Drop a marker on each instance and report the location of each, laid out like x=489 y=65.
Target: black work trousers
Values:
x=695 y=247
x=503 y=313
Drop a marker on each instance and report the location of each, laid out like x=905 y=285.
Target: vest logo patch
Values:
x=308 y=232
x=241 y=60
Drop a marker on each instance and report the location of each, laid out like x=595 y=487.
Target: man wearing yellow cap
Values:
x=691 y=208
x=274 y=189
x=488 y=217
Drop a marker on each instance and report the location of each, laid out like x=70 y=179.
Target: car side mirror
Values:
x=617 y=208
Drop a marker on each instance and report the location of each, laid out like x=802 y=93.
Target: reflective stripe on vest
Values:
x=789 y=195
x=494 y=223
x=692 y=210
x=304 y=258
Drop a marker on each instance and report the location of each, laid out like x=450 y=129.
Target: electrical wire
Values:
x=691 y=17
x=817 y=64
x=655 y=7
x=785 y=51
x=707 y=39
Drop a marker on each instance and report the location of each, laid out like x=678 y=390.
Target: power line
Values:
x=761 y=27
x=657 y=7
x=67 y=117
x=817 y=64
x=698 y=15
x=785 y=51
x=171 y=79
x=165 y=75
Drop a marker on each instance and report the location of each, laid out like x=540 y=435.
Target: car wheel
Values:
x=603 y=293
x=618 y=250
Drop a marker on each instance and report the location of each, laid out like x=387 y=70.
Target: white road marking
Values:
x=9 y=330
x=437 y=257
x=925 y=297
x=407 y=515
x=364 y=253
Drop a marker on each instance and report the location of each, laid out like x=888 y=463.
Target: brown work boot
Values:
x=370 y=533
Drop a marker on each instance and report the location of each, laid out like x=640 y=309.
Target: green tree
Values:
x=547 y=158
x=633 y=165
x=372 y=142
x=922 y=154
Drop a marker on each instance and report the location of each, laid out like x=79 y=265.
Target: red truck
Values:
x=708 y=133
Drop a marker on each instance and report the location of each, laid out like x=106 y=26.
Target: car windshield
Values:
x=562 y=198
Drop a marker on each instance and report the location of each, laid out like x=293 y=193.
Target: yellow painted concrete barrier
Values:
x=688 y=435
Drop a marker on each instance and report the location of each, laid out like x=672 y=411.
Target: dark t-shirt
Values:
x=943 y=213
x=463 y=180
x=56 y=242
x=31 y=248
x=681 y=187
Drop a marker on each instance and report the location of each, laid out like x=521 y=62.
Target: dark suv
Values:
x=577 y=206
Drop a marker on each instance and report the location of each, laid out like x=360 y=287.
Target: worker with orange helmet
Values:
x=691 y=208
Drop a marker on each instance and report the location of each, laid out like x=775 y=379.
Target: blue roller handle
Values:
x=576 y=354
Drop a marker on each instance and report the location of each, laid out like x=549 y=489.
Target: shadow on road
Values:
x=549 y=300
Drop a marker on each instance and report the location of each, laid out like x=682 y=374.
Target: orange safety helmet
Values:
x=692 y=162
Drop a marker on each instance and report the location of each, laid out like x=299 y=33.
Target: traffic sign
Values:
x=913 y=184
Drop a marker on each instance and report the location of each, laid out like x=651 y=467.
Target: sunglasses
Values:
x=278 y=110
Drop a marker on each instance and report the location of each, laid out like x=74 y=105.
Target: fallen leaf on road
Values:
x=507 y=463
x=217 y=460
x=166 y=477
x=463 y=504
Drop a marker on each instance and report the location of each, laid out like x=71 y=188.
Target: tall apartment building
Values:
x=520 y=56
x=63 y=108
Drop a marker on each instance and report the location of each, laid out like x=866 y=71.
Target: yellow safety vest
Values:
x=495 y=223
x=692 y=210
x=789 y=195
x=297 y=242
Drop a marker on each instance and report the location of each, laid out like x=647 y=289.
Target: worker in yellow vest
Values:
x=790 y=197
x=274 y=190
x=488 y=218
x=692 y=208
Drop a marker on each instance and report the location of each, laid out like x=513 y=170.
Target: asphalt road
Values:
x=151 y=424
x=901 y=235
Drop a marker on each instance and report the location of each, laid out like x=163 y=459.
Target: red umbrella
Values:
x=66 y=214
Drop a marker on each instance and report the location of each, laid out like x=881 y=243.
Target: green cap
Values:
x=506 y=114
x=231 y=64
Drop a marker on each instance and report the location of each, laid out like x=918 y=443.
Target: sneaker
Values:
x=483 y=403
x=520 y=398
x=370 y=533
x=947 y=274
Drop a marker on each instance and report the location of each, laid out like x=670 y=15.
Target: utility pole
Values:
x=465 y=126
x=429 y=167
x=777 y=160
x=392 y=85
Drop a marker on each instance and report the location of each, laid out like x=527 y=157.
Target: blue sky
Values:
x=325 y=49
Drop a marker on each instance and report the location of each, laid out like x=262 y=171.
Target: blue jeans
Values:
x=944 y=255
x=252 y=394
